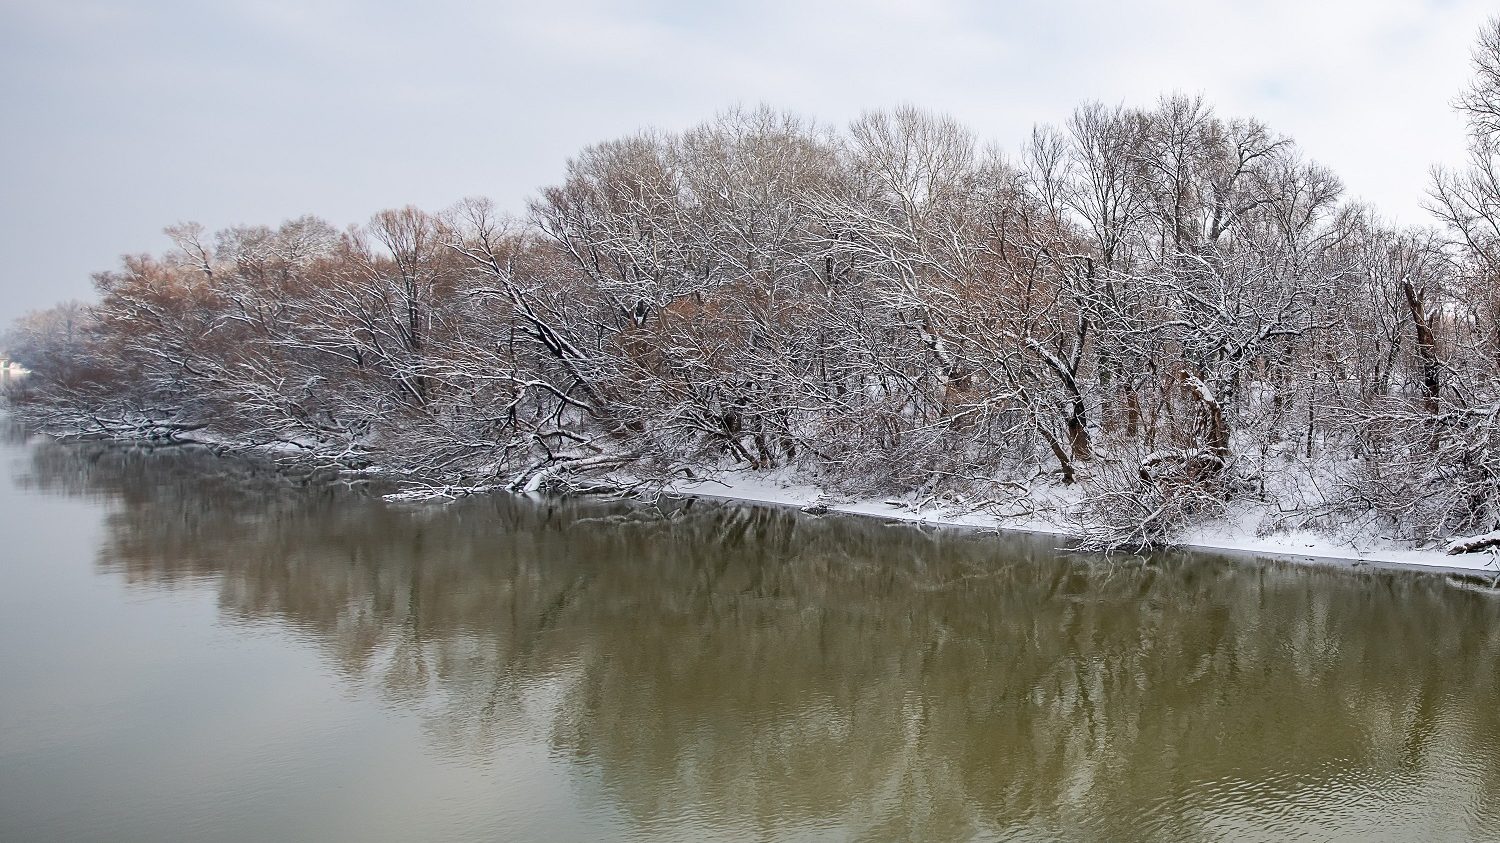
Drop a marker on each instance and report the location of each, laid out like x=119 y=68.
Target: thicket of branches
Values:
x=1161 y=309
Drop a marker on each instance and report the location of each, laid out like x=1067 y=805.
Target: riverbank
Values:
x=1235 y=536
x=1238 y=535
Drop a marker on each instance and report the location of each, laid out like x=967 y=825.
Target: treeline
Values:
x=1159 y=311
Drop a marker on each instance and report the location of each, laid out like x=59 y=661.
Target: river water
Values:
x=198 y=649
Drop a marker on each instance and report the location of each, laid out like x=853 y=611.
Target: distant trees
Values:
x=47 y=339
x=1157 y=313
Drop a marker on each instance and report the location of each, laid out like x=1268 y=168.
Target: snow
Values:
x=775 y=489
x=1236 y=535
x=1310 y=546
x=1470 y=544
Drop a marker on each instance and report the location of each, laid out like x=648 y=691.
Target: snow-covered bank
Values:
x=1232 y=536
x=1239 y=535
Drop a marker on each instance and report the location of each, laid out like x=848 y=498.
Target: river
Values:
x=200 y=649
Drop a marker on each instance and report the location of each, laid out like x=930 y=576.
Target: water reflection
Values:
x=762 y=672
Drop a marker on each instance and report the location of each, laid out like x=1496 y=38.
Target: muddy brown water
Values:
x=199 y=649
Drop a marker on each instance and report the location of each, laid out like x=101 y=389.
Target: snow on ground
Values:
x=1310 y=546
x=1235 y=535
x=776 y=489
x=1239 y=534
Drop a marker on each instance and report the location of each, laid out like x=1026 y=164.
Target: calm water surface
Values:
x=194 y=649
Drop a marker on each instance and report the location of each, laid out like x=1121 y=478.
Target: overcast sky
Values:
x=121 y=117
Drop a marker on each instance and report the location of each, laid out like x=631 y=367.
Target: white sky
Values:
x=118 y=118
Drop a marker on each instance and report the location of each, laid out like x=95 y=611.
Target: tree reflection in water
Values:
x=771 y=671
